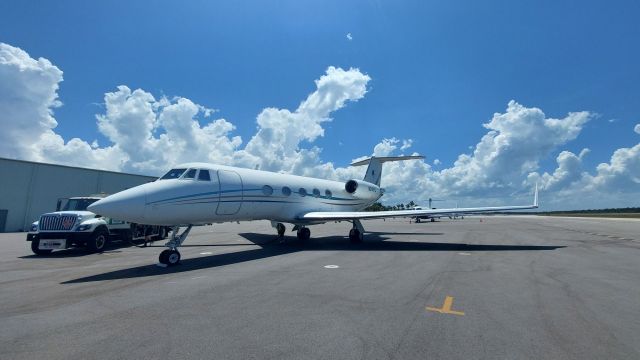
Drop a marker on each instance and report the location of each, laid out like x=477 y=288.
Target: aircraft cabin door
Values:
x=231 y=193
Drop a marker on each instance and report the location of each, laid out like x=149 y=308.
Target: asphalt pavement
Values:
x=491 y=287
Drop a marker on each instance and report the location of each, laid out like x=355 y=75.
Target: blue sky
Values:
x=438 y=70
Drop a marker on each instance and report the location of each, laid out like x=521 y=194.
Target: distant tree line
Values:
x=379 y=207
x=628 y=210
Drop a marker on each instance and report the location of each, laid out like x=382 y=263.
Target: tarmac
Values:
x=490 y=287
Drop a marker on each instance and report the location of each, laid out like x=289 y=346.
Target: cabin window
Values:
x=267 y=190
x=191 y=174
x=302 y=192
x=173 y=174
x=316 y=192
x=286 y=191
x=204 y=175
x=328 y=194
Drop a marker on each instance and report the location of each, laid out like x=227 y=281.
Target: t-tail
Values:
x=374 y=171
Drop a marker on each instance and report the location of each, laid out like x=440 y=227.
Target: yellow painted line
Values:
x=446 y=307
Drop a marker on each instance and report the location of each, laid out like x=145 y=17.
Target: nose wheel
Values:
x=169 y=257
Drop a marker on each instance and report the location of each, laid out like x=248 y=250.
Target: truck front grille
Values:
x=57 y=222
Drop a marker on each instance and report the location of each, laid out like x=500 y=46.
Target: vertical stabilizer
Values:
x=374 y=171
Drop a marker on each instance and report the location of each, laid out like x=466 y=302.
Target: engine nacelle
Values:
x=353 y=185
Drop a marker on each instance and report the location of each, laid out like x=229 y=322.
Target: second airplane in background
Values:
x=199 y=193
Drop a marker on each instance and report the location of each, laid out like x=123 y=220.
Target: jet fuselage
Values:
x=200 y=193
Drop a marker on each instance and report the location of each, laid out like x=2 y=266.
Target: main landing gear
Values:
x=171 y=256
x=304 y=233
x=356 y=234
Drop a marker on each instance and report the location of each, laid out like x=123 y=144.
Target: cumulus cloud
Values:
x=569 y=171
x=614 y=184
x=276 y=145
x=142 y=128
x=621 y=174
x=514 y=145
x=146 y=134
x=349 y=37
x=637 y=129
x=407 y=143
x=28 y=95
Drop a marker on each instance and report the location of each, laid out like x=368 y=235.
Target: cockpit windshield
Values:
x=173 y=174
x=191 y=174
x=78 y=204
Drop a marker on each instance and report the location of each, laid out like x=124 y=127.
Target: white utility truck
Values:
x=72 y=225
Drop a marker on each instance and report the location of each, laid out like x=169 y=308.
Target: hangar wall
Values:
x=29 y=189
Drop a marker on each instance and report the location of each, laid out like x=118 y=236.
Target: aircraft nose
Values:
x=128 y=205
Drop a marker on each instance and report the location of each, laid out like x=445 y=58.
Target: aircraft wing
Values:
x=353 y=215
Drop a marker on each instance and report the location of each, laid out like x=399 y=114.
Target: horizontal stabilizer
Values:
x=374 y=171
x=383 y=159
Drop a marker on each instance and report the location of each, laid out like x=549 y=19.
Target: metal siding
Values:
x=50 y=183
x=14 y=183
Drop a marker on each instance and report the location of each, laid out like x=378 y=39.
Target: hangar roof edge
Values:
x=76 y=167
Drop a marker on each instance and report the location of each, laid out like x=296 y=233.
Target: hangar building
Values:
x=29 y=189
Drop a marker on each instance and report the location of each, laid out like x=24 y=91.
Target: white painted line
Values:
x=206 y=253
x=331 y=266
x=197 y=277
x=463 y=253
x=161 y=265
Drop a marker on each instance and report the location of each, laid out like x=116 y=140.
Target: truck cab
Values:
x=71 y=225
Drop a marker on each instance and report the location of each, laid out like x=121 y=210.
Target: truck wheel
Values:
x=98 y=241
x=162 y=234
x=34 y=247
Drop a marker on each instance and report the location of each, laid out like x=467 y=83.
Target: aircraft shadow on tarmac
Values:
x=272 y=248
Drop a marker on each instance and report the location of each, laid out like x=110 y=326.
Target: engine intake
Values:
x=351 y=186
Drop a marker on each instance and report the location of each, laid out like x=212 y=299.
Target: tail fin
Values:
x=374 y=171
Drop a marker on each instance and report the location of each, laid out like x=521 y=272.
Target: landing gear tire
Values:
x=98 y=241
x=281 y=229
x=433 y=219
x=169 y=257
x=355 y=236
x=304 y=234
x=35 y=243
x=417 y=220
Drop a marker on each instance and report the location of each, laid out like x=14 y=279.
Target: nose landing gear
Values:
x=171 y=256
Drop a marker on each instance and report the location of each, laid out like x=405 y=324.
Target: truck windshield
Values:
x=173 y=174
x=78 y=204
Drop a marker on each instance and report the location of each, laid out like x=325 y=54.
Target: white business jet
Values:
x=198 y=193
